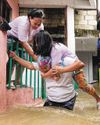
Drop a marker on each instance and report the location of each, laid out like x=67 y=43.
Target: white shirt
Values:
x=20 y=28
x=63 y=89
x=60 y=51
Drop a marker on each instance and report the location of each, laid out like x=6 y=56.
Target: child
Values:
x=45 y=65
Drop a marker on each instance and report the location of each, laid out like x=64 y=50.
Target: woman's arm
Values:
x=21 y=61
x=28 y=48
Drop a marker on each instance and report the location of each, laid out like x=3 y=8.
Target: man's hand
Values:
x=57 y=70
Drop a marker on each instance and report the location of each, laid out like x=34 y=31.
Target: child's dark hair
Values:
x=42 y=43
x=36 y=13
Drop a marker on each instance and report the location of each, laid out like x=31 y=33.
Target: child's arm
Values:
x=47 y=74
x=21 y=61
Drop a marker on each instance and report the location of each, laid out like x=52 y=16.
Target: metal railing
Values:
x=26 y=77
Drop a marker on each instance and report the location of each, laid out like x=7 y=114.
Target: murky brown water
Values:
x=85 y=113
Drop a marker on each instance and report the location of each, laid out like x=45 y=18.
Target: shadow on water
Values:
x=85 y=113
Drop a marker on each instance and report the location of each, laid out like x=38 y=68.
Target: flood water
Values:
x=85 y=113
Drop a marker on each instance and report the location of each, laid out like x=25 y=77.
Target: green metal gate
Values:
x=28 y=78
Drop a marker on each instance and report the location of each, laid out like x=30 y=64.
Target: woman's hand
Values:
x=12 y=54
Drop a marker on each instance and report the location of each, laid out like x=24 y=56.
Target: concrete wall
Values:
x=85 y=19
x=86 y=43
x=15 y=8
x=86 y=57
x=3 y=60
x=90 y=4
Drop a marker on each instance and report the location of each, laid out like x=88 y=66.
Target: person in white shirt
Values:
x=60 y=92
x=23 y=29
